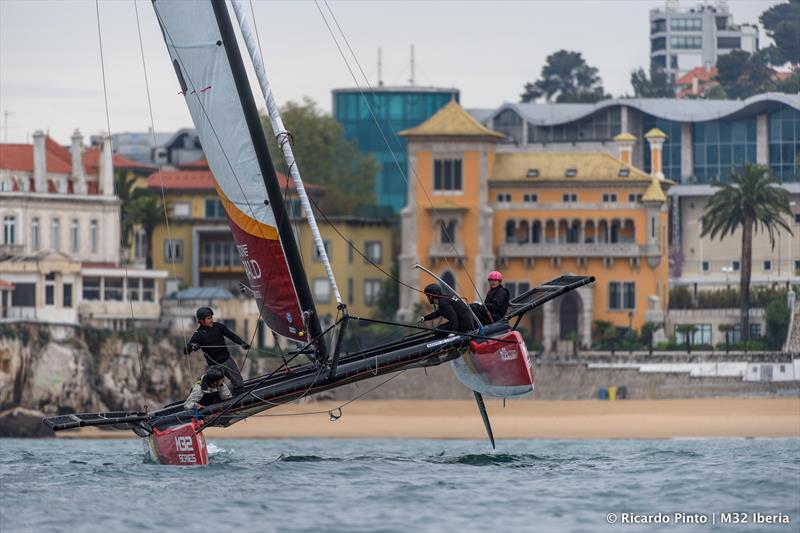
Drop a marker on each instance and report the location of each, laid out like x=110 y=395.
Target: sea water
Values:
x=405 y=485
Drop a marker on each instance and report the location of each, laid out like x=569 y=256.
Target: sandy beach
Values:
x=521 y=419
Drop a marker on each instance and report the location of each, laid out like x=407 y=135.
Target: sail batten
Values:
x=215 y=87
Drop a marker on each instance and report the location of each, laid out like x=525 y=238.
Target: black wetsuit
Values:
x=212 y=341
x=458 y=316
x=495 y=305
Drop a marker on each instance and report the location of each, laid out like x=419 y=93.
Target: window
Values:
x=139 y=244
x=55 y=234
x=797 y=218
x=517 y=288
x=148 y=290
x=610 y=198
x=214 y=208
x=322 y=290
x=350 y=288
x=729 y=42
x=173 y=250
x=93 y=236
x=767 y=265
x=374 y=251
x=569 y=198
x=721 y=147
x=9 y=230
x=36 y=234
x=682 y=42
x=532 y=173
x=624 y=172
x=372 y=289
x=133 y=289
x=755 y=331
x=796 y=266
x=91 y=288
x=700 y=335
x=621 y=295
x=686 y=24
x=571 y=172
x=73 y=236
x=446 y=175
x=181 y=210
x=326 y=243
x=658 y=26
x=447 y=232
x=67 y=294
x=530 y=198
x=450 y=280
x=503 y=198
x=706 y=266
x=24 y=295
x=113 y=289
x=659 y=43
x=50 y=289
x=784 y=144
x=736 y=266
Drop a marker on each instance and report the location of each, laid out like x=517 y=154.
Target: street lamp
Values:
x=727 y=270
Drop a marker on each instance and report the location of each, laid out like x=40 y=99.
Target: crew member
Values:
x=208 y=390
x=495 y=305
x=210 y=336
x=458 y=316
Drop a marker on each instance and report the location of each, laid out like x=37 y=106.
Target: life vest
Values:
x=209 y=395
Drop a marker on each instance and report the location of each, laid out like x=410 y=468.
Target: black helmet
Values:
x=433 y=289
x=213 y=375
x=204 y=312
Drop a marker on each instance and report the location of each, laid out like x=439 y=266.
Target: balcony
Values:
x=11 y=249
x=441 y=251
x=618 y=249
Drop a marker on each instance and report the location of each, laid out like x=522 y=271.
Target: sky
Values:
x=51 y=75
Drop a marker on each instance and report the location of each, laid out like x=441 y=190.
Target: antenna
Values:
x=411 y=80
x=6 y=113
x=380 y=68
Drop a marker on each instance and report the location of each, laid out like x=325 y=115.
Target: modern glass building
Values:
x=372 y=119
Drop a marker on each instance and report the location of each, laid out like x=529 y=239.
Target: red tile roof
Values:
x=20 y=157
x=91 y=162
x=5 y=285
x=195 y=165
x=203 y=180
x=698 y=72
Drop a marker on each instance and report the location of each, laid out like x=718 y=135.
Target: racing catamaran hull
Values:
x=180 y=445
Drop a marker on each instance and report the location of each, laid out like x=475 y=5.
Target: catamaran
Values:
x=491 y=360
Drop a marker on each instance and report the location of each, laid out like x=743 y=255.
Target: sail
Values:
x=206 y=58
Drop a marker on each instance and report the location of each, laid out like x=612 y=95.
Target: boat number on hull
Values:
x=184 y=444
x=507 y=354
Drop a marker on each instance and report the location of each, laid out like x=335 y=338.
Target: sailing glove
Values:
x=420 y=320
x=245 y=346
x=191 y=348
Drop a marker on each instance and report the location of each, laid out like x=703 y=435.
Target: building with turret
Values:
x=534 y=216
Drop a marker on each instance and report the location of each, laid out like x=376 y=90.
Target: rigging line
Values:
x=188 y=77
x=161 y=180
x=113 y=179
x=345 y=404
x=383 y=135
x=354 y=247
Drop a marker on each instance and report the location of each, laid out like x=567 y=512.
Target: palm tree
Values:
x=753 y=201
x=125 y=186
x=147 y=211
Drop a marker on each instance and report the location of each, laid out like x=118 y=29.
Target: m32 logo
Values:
x=184 y=444
x=507 y=354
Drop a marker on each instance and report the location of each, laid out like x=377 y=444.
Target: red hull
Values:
x=499 y=367
x=179 y=446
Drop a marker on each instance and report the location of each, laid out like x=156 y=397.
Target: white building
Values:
x=684 y=38
x=60 y=246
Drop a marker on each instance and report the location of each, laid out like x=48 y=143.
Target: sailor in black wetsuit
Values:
x=495 y=305
x=208 y=390
x=459 y=318
x=210 y=336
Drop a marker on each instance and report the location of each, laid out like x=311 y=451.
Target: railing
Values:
x=446 y=250
x=575 y=250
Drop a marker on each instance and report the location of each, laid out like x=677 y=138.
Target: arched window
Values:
x=523 y=237
x=447 y=231
x=615 y=226
x=450 y=279
x=511 y=229
x=536 y=232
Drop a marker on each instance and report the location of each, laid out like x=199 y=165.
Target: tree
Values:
x=782 y=24
x=146 y=210
x=658 y=85
x=124 y=186
x=687 y=330
x=727 y=329
x=566 y=77
x=325 y=157
x=648 y=334
x=752 y=201
x=790 y=85
x=777 y=316
x=742 y=74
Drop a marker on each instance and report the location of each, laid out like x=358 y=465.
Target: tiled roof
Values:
x=553 y=166
x=203 y=180
x=195 y=165
x=698 y=72
x=91 y=162
x=654 y=192
x=20 y=157
x=451 y=120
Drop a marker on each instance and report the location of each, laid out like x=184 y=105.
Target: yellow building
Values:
x=197 y=249
x=473 y=208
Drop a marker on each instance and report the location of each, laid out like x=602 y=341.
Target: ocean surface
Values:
x=403 y=485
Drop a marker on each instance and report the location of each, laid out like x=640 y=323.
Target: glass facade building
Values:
x=784 y=144
x=372 y=118
x=721 y=147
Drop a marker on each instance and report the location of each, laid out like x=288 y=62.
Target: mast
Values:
x=265 y=165
x=282 y=135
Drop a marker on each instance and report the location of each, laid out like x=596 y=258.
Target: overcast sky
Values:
x=51 y=79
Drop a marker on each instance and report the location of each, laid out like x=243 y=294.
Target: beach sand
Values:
x=520 y=419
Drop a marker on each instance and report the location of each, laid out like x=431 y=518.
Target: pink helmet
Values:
x=494 y=275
